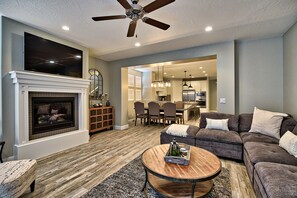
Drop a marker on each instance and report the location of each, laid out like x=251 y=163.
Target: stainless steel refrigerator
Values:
x=189 y=95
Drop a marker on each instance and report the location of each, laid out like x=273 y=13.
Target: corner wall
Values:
x=259 y=75
x=290 y=71
x=13 y=59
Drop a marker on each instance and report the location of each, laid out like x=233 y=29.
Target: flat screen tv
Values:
x=42 y=55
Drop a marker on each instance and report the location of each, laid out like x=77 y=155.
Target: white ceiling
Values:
x=231 y=20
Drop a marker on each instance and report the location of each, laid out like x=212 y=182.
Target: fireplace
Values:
x=51 y=114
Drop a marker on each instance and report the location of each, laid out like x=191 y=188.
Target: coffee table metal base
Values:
x=177 y=189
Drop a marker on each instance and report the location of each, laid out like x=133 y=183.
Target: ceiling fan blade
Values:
x=156 y=5
x=103 y=18
x=125 y=4
x=131 y=29
x=155 y=23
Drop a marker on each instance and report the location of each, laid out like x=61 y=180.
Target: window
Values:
x=138 y=94
x=130 y=80
x=134 y=87
x=137 y=81
x=130 y=94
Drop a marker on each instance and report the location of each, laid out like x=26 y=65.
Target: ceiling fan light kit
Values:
x=135 y=12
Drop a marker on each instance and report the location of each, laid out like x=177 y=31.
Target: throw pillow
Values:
x=289 y=143
x=221 y=124
x=267 y=122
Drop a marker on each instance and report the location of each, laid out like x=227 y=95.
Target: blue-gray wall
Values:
x=259 y=75
x=290 y=71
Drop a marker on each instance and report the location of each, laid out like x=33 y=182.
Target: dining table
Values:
x=182 y=111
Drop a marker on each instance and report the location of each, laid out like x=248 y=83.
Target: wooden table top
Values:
x=203 y=164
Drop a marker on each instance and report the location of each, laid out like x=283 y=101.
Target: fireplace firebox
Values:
x=52 y=114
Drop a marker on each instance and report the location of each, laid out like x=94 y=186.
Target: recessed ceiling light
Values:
x=205 y=75
x=172 y=76
x=193 y=76
x=66 y=28
x=137 y=44
x=204 y=71
x=52 y=62
x=165 y=73
x=208 y=28
x=201 y=67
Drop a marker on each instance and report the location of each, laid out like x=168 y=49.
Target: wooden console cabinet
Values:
x=101 y=118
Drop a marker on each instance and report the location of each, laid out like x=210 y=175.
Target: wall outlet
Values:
x=222 y=100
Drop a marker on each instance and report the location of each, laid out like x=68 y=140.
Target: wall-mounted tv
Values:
x=42 y=55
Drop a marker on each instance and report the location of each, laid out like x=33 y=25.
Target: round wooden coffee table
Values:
x=172 y=180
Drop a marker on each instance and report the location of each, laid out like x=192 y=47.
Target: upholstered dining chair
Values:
x=139 y=112
x=1 y=149
x=170 y=113
x=180 y=105
x=154 y=112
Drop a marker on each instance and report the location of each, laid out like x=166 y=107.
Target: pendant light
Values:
x=160 y=81
x=185 y=84
x=190 y=87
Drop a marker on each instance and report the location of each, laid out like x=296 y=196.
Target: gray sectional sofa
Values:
x=271 y=169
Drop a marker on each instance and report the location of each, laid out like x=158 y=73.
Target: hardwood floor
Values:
x=73 y=172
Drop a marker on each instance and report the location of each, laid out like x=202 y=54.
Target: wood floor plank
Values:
x=75 y=171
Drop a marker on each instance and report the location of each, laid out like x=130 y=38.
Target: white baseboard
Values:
x=123 y=127
x=10 y=158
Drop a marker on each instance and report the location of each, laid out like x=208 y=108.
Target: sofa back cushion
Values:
x=288 y=124
x=232 y=122
x=295 y=130
x=245 y=122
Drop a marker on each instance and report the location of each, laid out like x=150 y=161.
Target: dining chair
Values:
x=180 y=105
x=170 y=113
x=2 y=145
x=154 y=112
x=139 y=112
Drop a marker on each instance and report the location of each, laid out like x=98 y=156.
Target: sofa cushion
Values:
x=265 y=152
x=221 y=149
x=191 y=131
x=219 y=136
x=232 y=122
x=245 y=122
x=166 y=138
x=288 y=124
x=276 y=180
x=295 y=130
x=257 y=137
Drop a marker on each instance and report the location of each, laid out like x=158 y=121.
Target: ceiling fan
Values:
x=135 y=12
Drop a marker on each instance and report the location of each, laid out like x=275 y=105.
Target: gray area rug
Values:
x=129 y=180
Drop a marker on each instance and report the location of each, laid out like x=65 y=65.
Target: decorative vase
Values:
x=107 y=103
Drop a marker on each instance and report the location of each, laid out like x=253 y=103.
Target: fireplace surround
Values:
x=34 y=84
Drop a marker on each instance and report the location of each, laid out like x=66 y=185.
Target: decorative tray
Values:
x=184 y=159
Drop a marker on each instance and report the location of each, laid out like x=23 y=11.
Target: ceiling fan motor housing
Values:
x=136 y=12
x=134 y=1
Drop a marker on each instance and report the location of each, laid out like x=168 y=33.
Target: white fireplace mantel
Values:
x=26 y=82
